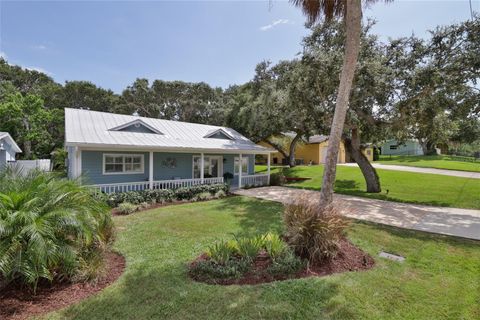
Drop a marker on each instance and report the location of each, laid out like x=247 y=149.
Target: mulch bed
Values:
x=349 y=258
x=293 y=179
x=16 y=303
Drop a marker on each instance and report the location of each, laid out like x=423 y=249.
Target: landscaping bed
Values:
x=291 y=179
x=349 y=258
x=20 y=303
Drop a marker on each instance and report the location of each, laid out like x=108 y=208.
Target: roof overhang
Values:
x=12 y=142
x=111 y=147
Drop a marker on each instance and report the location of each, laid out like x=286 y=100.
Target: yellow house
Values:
x=315 y=152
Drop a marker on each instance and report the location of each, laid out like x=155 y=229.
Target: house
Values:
x=315 y=151
x=123 y=153
x=407 y=148
x=8 y=149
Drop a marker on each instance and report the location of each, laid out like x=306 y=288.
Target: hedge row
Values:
x=161 y=195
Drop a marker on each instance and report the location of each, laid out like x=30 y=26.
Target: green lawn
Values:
x=438 y=162
x=439 y=279
x=430 y=189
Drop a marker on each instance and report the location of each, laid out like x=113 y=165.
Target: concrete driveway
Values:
x=452 y=173
x=449 y=221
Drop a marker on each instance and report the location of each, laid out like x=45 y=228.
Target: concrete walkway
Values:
x=453 y=173
x=450 y=221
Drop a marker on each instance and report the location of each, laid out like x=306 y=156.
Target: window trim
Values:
x=142 y=163
x=218 y=157
x=248 y=165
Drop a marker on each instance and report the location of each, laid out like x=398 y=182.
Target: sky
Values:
x=111 y=43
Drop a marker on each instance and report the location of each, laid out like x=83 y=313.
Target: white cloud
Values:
x=3 y=55
x=38 y=69
x=274 y=24
x=39 y=47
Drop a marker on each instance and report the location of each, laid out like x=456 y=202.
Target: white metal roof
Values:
x=87 y=128
x=7 y=136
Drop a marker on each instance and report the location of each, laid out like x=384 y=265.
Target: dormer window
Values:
x=136 y=126
x=219 y=134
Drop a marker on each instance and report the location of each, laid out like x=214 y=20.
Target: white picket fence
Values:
x=255 y=180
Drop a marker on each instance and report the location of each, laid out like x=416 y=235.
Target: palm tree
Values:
x=49 y=227
x=351 y=10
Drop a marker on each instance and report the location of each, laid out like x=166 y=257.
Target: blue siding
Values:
x=182 y=170
x=92 y=170
x=71 y=154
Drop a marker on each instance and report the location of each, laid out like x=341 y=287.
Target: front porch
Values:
x=115 y=171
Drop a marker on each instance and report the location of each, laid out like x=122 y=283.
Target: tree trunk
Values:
x=278 y=148
x=353 y=25
x=293 y=145
x=27 y=144
x=369 y=173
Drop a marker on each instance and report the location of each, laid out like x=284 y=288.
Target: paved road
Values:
x=453 y=173
x=450 y=221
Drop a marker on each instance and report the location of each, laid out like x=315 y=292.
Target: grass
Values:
x=438 y=162
x=429 y=189
x=438 y=280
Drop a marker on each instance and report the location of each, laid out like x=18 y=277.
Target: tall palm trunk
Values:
x=353 y=25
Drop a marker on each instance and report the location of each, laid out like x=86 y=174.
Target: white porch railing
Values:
x=180 y=183
x=254 y=180
x=161 y=184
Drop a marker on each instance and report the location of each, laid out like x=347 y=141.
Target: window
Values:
x=244 y=165
x=393 y=147
x=123 y=163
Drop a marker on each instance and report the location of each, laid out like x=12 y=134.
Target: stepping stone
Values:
x=390 y=256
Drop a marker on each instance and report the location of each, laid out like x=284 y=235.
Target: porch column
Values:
x=202 y=167
x=240 y=171
x=150 y=170
x=268 y=168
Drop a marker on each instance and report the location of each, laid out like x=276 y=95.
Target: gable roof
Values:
x=85 y=128
x=217 y=132
x=7 y=136
x=135 y=123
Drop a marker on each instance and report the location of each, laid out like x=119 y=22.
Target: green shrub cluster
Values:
x=233 y=258
x=165 y=195
x=50 y=228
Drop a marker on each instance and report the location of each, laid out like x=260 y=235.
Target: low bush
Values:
x=50 y=228
x=248 y=248
x=314 y=232
x=210 y=270
x=286 y=264
x=161 y=195
x=274 y=245
x=127 y=208
x=277 y=179
x=203 y=196
x=220 y=252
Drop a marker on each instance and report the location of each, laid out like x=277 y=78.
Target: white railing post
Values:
x=268 y=169
x=240 y=162
x=150 y=171
x=202 y=167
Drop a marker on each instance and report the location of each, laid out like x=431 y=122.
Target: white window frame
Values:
x=237 y=159
x=142 y=163
x=220 y=164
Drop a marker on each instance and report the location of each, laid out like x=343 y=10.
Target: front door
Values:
x=212 y=169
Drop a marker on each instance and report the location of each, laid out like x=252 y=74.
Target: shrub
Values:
x=249 y=248
x=210 y=270
x=274 y=245
x=314 y=232
x=277 y=179
x=50 y=228
x=220 y=252
x=220 y=194
x=127 y=208
x=203 y=196
x=286 y=264
x=160 y=195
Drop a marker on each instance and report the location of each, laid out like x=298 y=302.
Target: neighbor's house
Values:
x=407 y=148
x=8 y=149
x=315 y=151
x=122 y=152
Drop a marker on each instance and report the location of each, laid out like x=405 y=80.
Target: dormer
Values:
x=219 y=134
x=136 y=125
